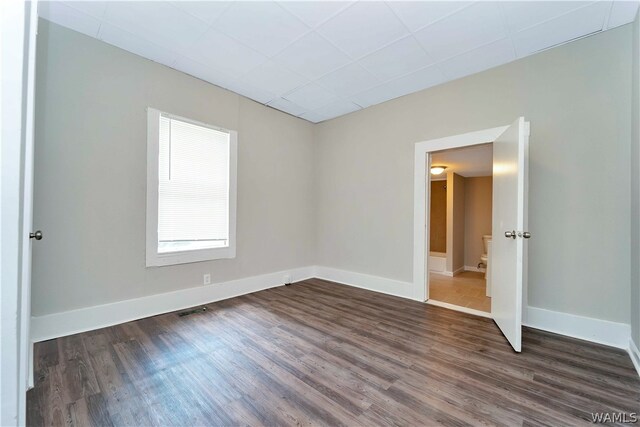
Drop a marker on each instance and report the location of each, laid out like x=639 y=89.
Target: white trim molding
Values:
x=476 y=269
x=605 y=332
x=442 y=273
x=90 y=318
x=101 y=316
x=155 y=258
x=634 y=354
x=365 y=281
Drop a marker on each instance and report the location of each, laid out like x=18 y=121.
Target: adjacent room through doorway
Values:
x=460 y=229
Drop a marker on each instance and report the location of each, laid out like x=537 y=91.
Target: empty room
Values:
x=360 y=213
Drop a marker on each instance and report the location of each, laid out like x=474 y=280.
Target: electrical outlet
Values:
x=287 y=279
x=206 y=279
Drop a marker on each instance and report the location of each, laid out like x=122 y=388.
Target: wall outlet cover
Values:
x=206 y=279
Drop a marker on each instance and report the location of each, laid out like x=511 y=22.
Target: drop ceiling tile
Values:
x=150 y=20
x=567 y=27
x=257 y=94
x=221 y=51
x=349 y=80
x=468 y=29
x=480 y=59
x=311 y=96
x=286 y=106
x=400 y=58
x=263 y=26
x=312 y=117
x=274 y=78
x=314 y=12
x=206 y=11
x=363 y=28
x=414 y=82
x=622 y=12
x=94 y=8
x=312 y=56
x=220 y=78
x=68 y=17
x=207 y=73
x=524 y=14
x=330 y=111
x=134 y=44
x=418 y=14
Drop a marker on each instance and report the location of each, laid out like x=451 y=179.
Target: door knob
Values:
x=510 y=234
x=526 y=234
x=37 y=235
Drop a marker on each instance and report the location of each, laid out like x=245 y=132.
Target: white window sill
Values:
x=189 y=256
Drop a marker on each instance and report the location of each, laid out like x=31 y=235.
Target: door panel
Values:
x=510 y=155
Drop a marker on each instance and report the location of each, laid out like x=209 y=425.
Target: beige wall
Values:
x=578 y=100
x=90 y=175
x=438 y=223
x=455 y=222
x=477 y=217
x=353 y=187
x=635 y=188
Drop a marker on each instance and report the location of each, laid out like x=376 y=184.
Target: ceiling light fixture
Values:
x=437 y=170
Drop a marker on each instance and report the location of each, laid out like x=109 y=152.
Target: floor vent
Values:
x=194 y=311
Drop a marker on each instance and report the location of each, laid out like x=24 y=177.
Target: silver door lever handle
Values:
x=510 y=234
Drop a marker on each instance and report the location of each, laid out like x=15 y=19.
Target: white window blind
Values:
x=193 y=186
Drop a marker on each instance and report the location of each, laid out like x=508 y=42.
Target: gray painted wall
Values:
x=578 y=100
x=635 y=188
x=90 y=175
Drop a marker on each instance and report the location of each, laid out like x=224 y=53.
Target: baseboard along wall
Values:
x=100 y=316
x=585 y=328
x=634 y=353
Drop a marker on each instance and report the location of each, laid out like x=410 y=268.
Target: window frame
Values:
x=153 y=257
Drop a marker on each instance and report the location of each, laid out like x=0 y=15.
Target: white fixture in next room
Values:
x=485 y=259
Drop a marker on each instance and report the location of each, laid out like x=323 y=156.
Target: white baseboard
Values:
x=96 y=317
x=100 y=316
x=458 y=271
x=365 y=281
x=472 y=268
x=595 y=330
x=586 y=328
x=442 y=273
x=634 y=353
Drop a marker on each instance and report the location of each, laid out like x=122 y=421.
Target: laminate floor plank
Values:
x=320 y=353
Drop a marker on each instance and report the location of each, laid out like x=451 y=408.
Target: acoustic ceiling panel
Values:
x=321 y=59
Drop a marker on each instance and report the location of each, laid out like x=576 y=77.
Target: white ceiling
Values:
x=322 y=59
x=468 y=162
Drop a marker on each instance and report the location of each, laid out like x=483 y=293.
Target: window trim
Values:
x=153 y=257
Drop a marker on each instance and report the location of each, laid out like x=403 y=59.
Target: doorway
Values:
x=509 y=221
x=460 y=227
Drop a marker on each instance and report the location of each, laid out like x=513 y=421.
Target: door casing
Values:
x=422 y=197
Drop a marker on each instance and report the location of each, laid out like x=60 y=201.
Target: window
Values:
x=191 y=190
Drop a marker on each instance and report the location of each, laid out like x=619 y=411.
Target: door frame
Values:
x=422 y=197
x=19 y=19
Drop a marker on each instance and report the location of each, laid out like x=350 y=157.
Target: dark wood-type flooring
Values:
x=318 y=353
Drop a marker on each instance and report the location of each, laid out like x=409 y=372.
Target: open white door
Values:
x=28 y=236
x=510 y=157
